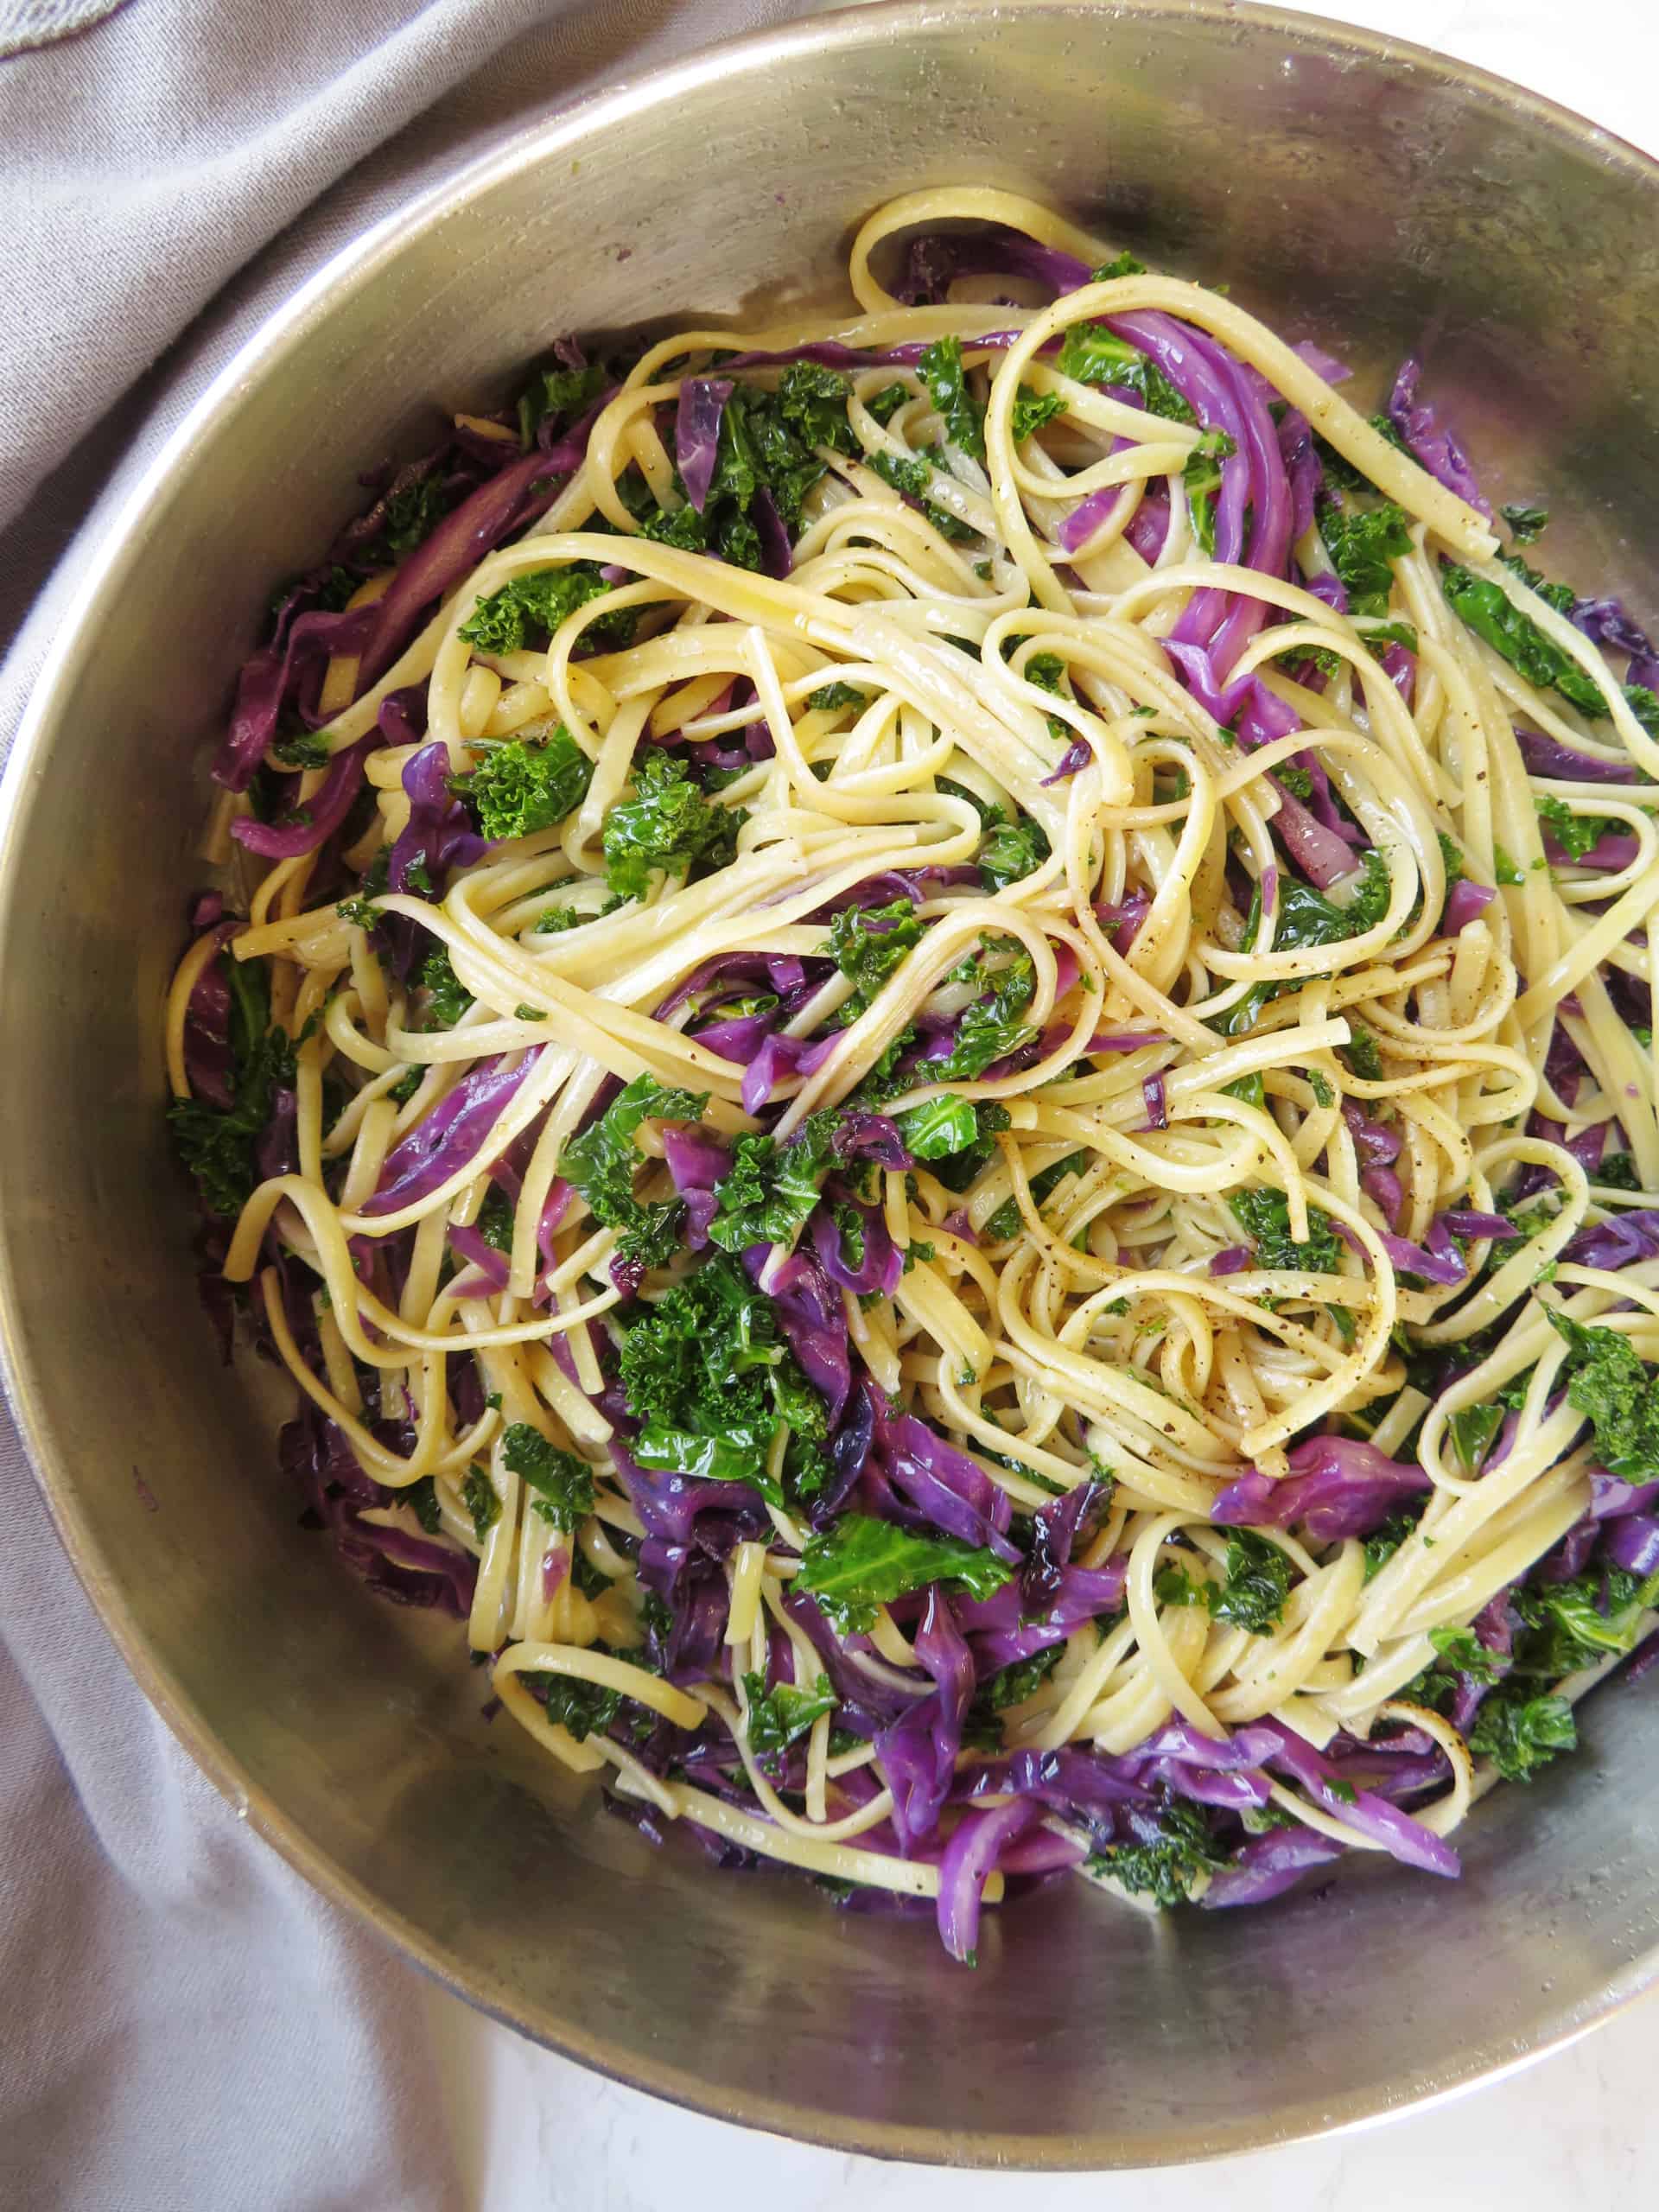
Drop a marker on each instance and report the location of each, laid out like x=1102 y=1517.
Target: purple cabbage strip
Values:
x=411 y=1570
x=1470 y=1223
x=1252 y=477
x=1612 y=851
x=882 y=1262
x=1322 y=855
x=1002 y=1634
x=1332 y=590
x=1069 y=1780
x=950 y=1490
x=1494 y=1630
x=439 y=835
x=1401 y=669
x=1077 y=528
x=697 y=434
x=697 y=1159
x=471 y=1247
x=682 y=1513
x=780 y=1056
x=969 y=1857
x=998 y=250
x=321 y=814
x=1546 y=757
x=810 y=1315
x=208 y=1061
x=1323 y=366
x=701 y=1604
x=1609 y=622
x=777 y=555
x=1148 y=528
x=1588 y=1146
x=1632 y=1542
x=1304 y=477
x=1436 y=1260
x=1125 y=1041
x=1316 y=837
x=1403 y=1838
x=1179 y=1742
x=269 y=676
x=729 y=969
x=1464 y=901
x=1152 y=1092
x=1572 y=1555
x=1075 y=756
x=850 y=1453
x=871 y=1702
x=1431 y=444
x=1612 y=1497
x=871 y=1136
x=918 y=1751
x=1231 y=1792
x=1041 y=1852
x=1386 y=1192
x=451 y=1137
x=1378 y=1147
x=1564 y=1065
x=1054 y=1529
x=1267 y=1865
x=277 y=1151
x=740 y=1038
x=1121 y=918
x=1337 y=1487
x=514 y=496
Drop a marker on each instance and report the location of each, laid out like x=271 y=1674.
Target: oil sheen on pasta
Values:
x=929 y=1035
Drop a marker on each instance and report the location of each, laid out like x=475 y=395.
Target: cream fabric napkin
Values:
x=183 y=2024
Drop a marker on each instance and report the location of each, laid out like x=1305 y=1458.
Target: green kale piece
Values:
x=1264 y=1216
x=563 y=1484
x=1364 y=545
x=867 y=943
x=779 y=1716
x=940 y=369
x=559 y=395
x=858 y=1563
x=1031 y=410
x=1258 y=1580
x=538 y=604
x=771 y=1188
x=218 y=1146
x=446 y=998
x=1519 y=1735
x=667 y=824
x=518 y=789
x=478 y=1496
x=1090 y=354
x=600 y=1164
x=1611 y=1388
x=1201 y=479
x=1486 y=610
x=1171 y=1866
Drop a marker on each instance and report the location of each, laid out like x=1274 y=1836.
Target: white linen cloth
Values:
x=183 y=2024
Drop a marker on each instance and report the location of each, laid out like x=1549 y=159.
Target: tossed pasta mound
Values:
x=937 y=1068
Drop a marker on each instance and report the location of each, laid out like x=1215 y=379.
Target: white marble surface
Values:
x=534 y=2134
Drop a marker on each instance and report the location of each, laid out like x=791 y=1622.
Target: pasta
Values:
x=929 y=1035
